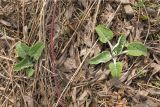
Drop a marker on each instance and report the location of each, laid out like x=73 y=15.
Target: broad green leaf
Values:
x=105 y=34
x=116 y=69
x=119 y=46
x=21 y=50
x=25 y=63
x=30 y=72
x=136 y=49
x=36 y=50
x=103 y=57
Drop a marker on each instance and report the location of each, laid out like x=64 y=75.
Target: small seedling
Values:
x=28 y=56
x=139 y=4
x=133 y=49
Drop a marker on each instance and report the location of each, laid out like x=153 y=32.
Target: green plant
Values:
x=28 y=56
x=139 y=4
x=133 y=49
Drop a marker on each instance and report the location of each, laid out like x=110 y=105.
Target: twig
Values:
x=6 y=58
x=149 y=25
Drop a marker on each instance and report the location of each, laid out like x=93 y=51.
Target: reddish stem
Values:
x=52 y=54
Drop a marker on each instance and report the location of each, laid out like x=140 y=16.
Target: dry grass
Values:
x=62 y=75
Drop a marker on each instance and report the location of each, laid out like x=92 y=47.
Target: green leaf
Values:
x=119 y=46
x=139 y=4
x=25 y=63
x=21 y=50
x=36 y=50
x=116 y=69
x=136 y=49
x=105 y=34
x=103 y=57
x=30 y=72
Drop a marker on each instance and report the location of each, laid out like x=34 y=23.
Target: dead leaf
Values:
x=69 y=12
x=70 y=63
x=141 y=105
x=29 y=101
x=74 y=92
x=154 y=91
x=130 y=76
x=123 y=1
x=87 y=40
x=27 y=1
x=107 y=16
x=156 y=67
x=102 y=75
x=128 y=9
x=83 y=2
x=5 y=23
x=151 y=103
x=96 y=50
x=83 y=95
x=142 y=93
x=84 y=51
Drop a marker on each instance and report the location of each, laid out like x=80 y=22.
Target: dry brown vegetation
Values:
x=63 y=76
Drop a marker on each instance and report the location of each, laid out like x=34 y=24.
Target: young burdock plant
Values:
x=115 y=67
x=27 y=56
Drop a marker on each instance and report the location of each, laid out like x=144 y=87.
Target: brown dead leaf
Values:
x=154 y=91
x=84 y=51
x=130 y=76
x=107 y=16
x=156 y=67
x=5 y=23
x=70 y=63
x=2 y=89
x=102 y=75
x=83 y=95
x=1 y=11
x=27 y=1
x=83 y=2
x=87 y=40
x=128 y=9
x=141 y=105
x=96 y=50
x=8 y=9
x=69 y=12
x=74 y=93
x=93 y=104
x=156 y=58
x=142 y=93
x=123 y=1
x=29 y=101
x=151 y=103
